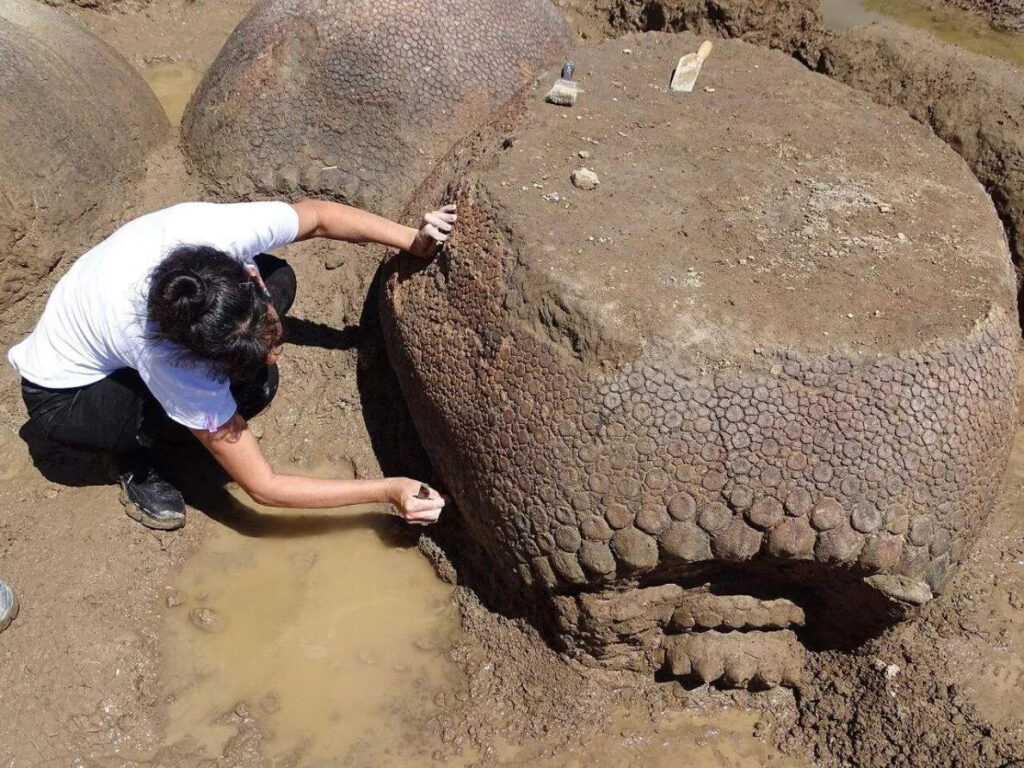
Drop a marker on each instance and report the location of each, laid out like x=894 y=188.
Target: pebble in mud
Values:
x=682 y=431
x=270 y=703
x=206 y=619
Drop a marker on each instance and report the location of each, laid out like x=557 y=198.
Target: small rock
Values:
x=708 y=89
x=174 y=598
x=206 y=619
x=585 y=179
x=583 y=154
x=627 y=51
x=891 y=671
x=883 y=208
x=901 y=237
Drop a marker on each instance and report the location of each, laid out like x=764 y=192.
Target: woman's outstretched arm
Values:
x=238 y=451
x=322 y=218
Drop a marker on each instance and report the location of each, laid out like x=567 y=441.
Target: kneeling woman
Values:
x=173 y=323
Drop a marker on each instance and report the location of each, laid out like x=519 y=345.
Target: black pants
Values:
x=119 y=415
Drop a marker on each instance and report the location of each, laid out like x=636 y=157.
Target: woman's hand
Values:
x=433 y=231
x=417 y=503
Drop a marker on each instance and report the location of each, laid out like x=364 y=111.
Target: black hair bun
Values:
x=204 y=301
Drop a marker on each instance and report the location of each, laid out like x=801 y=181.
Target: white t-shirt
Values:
x=95 y=320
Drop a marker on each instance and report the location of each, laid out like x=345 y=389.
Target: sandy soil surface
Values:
x=87 y=670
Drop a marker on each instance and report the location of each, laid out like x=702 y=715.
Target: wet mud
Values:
x=324 y=631
x=173 y=82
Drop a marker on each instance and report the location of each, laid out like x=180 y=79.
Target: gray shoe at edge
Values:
x=8 y=606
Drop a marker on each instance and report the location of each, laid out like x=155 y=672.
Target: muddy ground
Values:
x=87 y=672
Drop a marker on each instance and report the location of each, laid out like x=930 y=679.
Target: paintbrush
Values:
x=564 y=91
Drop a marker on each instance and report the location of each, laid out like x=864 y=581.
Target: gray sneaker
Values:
x=8 y=606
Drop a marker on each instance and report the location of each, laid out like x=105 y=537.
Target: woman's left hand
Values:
x=433 y=232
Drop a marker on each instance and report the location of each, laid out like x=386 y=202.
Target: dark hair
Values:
x=206 y=302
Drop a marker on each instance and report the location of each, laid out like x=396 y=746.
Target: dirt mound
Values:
x=357 y=100
x=790 y=25
x=59 y=83
x=750 y=361
x=1007 y=15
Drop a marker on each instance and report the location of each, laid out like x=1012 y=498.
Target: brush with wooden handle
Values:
x=685 y=76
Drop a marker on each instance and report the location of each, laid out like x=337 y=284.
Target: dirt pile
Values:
x=789 y=25
x=57 y=85
x=1002 y=14
x=358 y=101
x=751 y=361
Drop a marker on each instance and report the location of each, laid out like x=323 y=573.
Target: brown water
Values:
x=173 y=83
x=940 y=19
x=324 y=636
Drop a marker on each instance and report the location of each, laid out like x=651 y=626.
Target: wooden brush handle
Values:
x=704 y=51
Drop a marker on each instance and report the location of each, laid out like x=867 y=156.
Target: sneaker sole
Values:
x=133 y=512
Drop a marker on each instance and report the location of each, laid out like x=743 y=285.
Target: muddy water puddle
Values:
x=324 y=632
x=173 y=83
x=946 y=22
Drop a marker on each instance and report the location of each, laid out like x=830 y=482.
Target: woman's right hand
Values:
x=414 y=507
